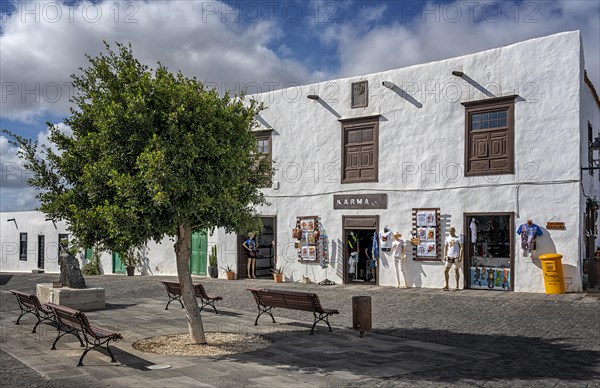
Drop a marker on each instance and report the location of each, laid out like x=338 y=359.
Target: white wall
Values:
x=421 y=151
x=34 y=224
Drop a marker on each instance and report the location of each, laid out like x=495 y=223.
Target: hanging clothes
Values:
x=375 y=247
x=353 y=242
x=529 y=233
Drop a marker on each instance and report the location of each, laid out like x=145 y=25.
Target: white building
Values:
x=499 y=136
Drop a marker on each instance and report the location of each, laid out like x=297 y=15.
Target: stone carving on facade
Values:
x=360 y=94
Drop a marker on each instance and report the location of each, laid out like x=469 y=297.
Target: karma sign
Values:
x=360 y=201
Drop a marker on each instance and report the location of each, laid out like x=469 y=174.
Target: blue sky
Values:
x=260 y=44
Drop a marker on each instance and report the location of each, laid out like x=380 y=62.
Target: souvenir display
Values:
x=323 y=250
x=426 y=233
x=431 y=234
x=304 y=253
x=490 y=278
x=311 y=246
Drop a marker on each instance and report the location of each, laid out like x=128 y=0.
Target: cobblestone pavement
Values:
x=489 y=338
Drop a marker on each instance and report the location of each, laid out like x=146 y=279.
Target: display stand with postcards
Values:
x=426 y=234
x=308 y=234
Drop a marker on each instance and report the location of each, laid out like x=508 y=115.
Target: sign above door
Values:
x=360 y=201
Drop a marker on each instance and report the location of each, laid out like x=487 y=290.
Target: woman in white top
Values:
x=399 y=255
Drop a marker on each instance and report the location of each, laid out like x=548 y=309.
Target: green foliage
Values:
x=212 y=258
x=227 y=268
x=277 y=270
x=93 y=267
x=130 y=257
x=151 y=153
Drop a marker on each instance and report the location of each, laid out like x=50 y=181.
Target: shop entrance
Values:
x=358 y=232
x=266 y=243
x=489 y=248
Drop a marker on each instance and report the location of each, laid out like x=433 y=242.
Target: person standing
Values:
x=250 y=246
x=398 y=252
x=453 y=249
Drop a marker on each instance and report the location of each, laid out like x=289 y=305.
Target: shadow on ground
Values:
x=443 y=357
x=4 y=279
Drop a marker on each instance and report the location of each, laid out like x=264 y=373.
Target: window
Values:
x=360 y=149
x=265 y=147
x=489 y=136
x=590 y=151
x=63 y=242
x=23 y=247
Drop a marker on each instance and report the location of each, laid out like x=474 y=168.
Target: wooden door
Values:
x=118 y=265
x=41 y=251
x=199 y=251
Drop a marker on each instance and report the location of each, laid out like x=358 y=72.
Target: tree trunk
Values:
x=188 y=296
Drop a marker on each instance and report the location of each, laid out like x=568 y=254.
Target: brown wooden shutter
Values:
x=360 y=151
x=489 y=151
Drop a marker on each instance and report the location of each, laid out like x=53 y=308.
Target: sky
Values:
x=254 y=46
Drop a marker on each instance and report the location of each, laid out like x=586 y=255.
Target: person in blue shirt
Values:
x=250 y=246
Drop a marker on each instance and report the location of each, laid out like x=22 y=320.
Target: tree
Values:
x=151 y=154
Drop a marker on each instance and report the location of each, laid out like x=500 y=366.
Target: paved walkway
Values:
x=421 y=337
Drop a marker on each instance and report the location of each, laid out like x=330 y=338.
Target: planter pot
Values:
x=230 y=275
x=130 y=271
x=213 y=272
x=278 y=277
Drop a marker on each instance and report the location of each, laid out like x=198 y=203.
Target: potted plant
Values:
x=592 y=203
x=277 y=274
x=229 y=272
x=130 y=259
x=213 y=271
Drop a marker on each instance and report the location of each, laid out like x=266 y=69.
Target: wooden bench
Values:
x=267 y=299
x=29 y=303
x=174 y=293
x=71 y=321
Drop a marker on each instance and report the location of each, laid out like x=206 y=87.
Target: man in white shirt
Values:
x=453 y=249
x=385 y=238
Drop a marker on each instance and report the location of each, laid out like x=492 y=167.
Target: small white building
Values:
x=481 y=143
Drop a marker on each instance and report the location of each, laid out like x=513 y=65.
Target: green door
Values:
x=89 y=253
x=199 y=252
x=118 y=266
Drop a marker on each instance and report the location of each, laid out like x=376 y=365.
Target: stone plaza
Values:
x=420 y=337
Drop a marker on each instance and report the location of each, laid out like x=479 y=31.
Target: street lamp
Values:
x=595 y=146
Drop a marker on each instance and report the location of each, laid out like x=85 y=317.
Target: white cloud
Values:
x=372 y=14
x=440 y=32
x=13 y=174
x=202 y=39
